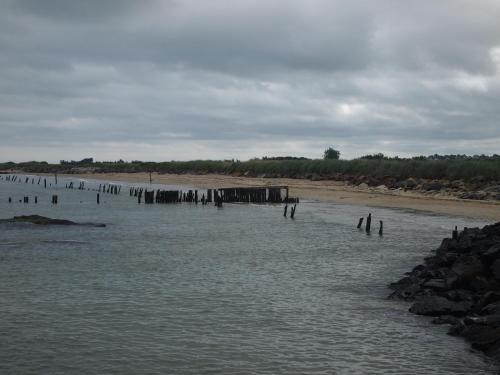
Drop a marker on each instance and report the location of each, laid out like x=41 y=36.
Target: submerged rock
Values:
x=42 y=220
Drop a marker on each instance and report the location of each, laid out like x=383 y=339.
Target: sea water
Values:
x=192 y=289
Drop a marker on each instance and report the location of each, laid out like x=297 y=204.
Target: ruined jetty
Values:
x=268 y=194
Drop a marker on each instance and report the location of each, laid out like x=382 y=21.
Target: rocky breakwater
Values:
x=460 y=285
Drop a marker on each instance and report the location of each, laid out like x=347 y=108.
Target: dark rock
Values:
x=459 y=295
x=479 y=283
x=488 y=298
x=462 y=280
x=410 y=183
x=467 y=268
x=446 y=319
x=477 y=195
x=438 y=284
x=432 y=185
x=495 y=269
x=435 y=306
x=491 y=309
x=488 y=320
x=481 y=336
x=492 y=189
x=42 y=220
x=456 y=329
x=490 y=255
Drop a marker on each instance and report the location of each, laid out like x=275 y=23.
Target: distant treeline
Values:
x=443 y=167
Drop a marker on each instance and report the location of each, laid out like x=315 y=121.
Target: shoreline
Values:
x=325 y=191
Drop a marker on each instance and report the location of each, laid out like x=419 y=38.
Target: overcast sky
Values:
x=186 y=79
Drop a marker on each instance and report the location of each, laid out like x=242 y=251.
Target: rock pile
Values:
x=460 y=285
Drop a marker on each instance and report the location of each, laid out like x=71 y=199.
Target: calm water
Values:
x=187 y=289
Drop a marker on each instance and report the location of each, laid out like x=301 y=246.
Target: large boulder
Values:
x=467 y=268
x=432 y=185
x=495 y=269
x=410 y=183
x=436 y=306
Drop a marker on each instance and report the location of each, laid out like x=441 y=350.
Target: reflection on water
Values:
x=191 y=289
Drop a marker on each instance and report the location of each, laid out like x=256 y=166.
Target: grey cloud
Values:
x=407 y=78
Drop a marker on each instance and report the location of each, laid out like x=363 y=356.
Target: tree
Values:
x=330 y=153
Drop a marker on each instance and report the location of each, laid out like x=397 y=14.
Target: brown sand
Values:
x=330 y=191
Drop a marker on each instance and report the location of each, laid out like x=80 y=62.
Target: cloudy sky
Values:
x=186 y=79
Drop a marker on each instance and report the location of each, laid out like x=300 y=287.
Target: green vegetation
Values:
x=452 y=167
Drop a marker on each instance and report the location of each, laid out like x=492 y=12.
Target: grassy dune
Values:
x=466 y=169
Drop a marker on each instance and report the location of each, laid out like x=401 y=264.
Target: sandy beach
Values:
x=330 y=191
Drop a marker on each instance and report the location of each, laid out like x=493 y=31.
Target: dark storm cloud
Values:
x=251 y=78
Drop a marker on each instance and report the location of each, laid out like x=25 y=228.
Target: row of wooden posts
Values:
x=269 y=194
x=369 y=224
x=16 y=178
x=27 y=199
x=292 y=210
x=226 y=195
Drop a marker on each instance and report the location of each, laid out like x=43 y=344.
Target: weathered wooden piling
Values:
x=284 y=211
x=368 y=223
x=381 y=228
x=292 y=213
x=360 y=222
x=98 y=198
x=10 y=199
x=36 y=199
x=44 y=183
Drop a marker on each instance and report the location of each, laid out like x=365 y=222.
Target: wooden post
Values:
x=381 y=230
x=36 y=199
x=292 y=214
x=97 y=198
x=286 y=208
x=55 y=176
x=368 y=223
x=10 y=200
x=360 y=222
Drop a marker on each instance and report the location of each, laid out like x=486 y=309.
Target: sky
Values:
x=222 y=79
